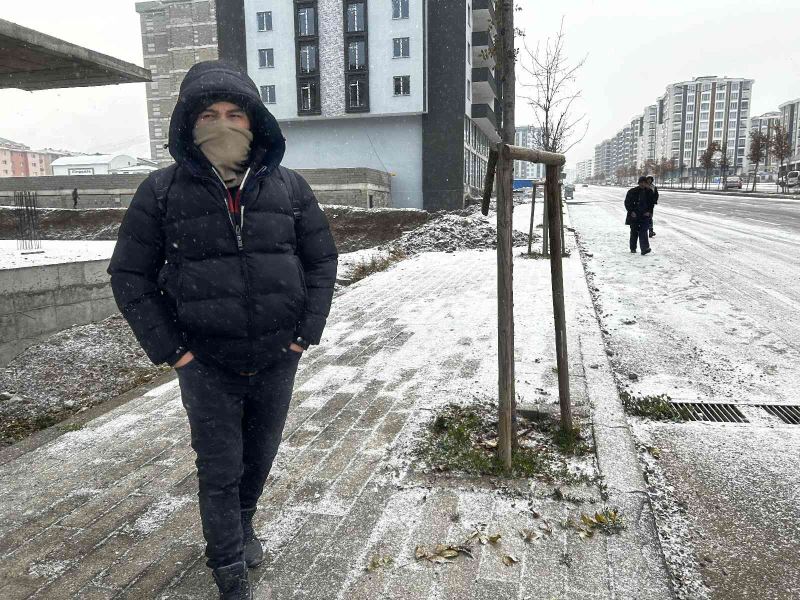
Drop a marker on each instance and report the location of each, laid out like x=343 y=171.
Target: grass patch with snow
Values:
x=464 y=439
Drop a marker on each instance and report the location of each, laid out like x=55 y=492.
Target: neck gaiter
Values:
x=226 y=147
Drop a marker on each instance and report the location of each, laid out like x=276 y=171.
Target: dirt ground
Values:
x=353 y=228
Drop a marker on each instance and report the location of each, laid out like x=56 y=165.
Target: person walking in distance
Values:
x=75 y=198
x=651 y=184
x=639 y=202
x=224 y=268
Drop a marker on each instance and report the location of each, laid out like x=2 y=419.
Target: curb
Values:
x=635 y=560
x=744 y=194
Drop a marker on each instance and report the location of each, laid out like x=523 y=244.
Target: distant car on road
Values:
x=585 y=185
x=733 y=183
x=569 y=191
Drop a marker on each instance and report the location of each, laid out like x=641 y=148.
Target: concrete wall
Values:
x=388 y=144
x=349 y=186
x=38 y=301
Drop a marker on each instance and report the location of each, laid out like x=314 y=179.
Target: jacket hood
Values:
x=215 y=80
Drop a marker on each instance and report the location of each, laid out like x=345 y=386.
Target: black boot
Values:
x=233 y=582
x=253 y=552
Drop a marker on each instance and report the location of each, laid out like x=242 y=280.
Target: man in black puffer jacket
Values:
x=639 y=202
x=224 y=269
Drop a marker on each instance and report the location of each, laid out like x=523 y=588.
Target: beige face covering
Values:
x=226 y=147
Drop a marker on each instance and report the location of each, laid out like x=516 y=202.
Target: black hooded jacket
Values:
x=181 y=278
x=639 y=200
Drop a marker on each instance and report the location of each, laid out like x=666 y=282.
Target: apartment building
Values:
x=400 y=86
x=18 y=160
x=176 y=34
x=584 y=170
x=766 y=124
x=705 y=110
x=790 y=119
x=528 y=136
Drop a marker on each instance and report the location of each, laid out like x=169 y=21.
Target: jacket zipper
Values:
x=237 y=229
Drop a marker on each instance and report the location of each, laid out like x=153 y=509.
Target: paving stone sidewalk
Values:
x=109 y=511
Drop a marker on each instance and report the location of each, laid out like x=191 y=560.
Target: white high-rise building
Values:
x=527 y=136
x=790 y=119
x=766 y=124
x=401 y=86
x=703 y=110
x=583 y=170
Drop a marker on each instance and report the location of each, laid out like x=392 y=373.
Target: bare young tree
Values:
x=671 y=166
x=757 y=152
x=663 y=168
x=781 y=149
x=552 y=80
x=707 y=160
x=724 y=165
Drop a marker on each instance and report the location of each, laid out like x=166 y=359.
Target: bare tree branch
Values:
x=552 y=79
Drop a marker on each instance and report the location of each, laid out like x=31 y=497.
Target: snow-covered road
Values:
x=711 y=315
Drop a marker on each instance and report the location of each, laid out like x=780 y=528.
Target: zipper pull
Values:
x=239 y=241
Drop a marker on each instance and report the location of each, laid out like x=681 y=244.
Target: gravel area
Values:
x=69 y=372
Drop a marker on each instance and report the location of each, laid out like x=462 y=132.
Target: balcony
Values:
x=484 y=87
x=482 y=14
x=484 y=117
x=481 y=41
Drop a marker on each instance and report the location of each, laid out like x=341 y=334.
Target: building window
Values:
x=309 y=96
x=356 y=55
x=357 y=93
x=355 y=17
x=308 y=58
x=268 y=94
x=266 y=58
x=356 y=60
x=402 y=48
x=306 y=21
x=402 y=85
x=264 y=21
x=399 y=9
x=307 y=49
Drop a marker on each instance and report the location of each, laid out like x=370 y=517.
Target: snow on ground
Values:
x=452 y=231
x=70 y=371
x=708 y=316
x=55 y=252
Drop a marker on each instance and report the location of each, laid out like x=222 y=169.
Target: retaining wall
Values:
x=35 y=302
x=347 y=187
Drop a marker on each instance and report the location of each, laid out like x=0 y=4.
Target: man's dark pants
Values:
x=236 y=423
x=639 y=231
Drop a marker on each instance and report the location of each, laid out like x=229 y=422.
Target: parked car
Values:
x=792 y=178
x=585 y=185
x=733 y=183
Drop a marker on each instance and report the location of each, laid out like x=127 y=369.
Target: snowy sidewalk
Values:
x=109 y=511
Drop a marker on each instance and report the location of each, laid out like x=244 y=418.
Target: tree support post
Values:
x=557 y=281
x=505 y=308
x=530 y=229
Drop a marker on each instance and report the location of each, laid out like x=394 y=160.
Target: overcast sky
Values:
x=633 y=51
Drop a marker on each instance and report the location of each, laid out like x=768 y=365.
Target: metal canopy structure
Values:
x=30 y=60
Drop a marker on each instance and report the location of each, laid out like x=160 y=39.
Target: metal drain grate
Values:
x=709 y=411
x=787 y=414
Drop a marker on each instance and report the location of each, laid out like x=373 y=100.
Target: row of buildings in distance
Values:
x=674 y=132
x=18 y=160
